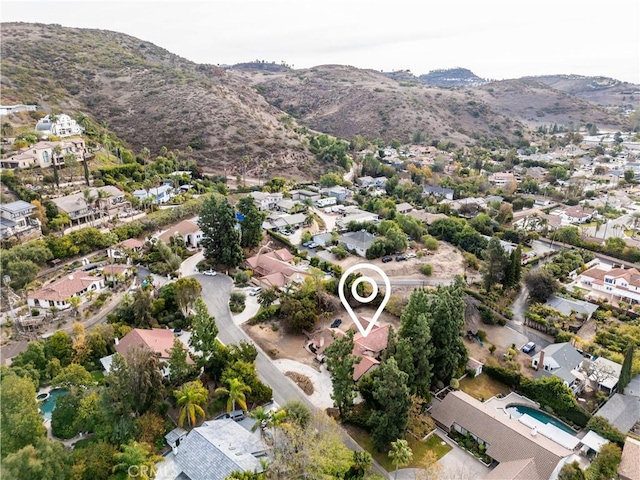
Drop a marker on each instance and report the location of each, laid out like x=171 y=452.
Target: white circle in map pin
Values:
x=361 y=299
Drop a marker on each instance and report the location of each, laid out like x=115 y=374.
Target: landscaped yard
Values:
x=418 y=447
x=483 y=387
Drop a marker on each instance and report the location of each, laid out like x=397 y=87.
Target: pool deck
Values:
x=511 y=399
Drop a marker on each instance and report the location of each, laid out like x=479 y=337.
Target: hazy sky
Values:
x=494 y=38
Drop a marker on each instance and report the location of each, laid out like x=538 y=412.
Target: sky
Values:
x=495 y=39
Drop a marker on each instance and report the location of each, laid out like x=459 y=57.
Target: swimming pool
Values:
x=516 y=411
x=50 y=403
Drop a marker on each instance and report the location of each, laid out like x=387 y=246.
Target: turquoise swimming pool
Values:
x=516 y=411
x=50 y=403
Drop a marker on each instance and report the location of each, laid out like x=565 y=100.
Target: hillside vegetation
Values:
x=148 y=96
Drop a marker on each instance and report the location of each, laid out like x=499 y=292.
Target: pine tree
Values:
x=625 y=373
x=340 y=363
x=221 y=239
x=495 y=259
x=251 y=224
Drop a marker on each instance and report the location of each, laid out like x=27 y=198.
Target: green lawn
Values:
x=98 y=376
x=418 y=447
x=483 y=387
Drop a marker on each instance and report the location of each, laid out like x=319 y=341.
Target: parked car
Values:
x=529 y=347
x=336 y=323
x=255 y=291
x=410 y=255
x=210 y=273
x=313 y=245
x=401 y=258
x=177 y=331
x=386 y=259
x=306 y=244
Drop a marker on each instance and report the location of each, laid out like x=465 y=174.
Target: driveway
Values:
x=215 y=293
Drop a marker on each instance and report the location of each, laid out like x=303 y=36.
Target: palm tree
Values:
x=6 y=129
x=57 y=150
x=191 y=397
x=235 y=393
x=89 y=200
x=361 y=462
x=400 y=454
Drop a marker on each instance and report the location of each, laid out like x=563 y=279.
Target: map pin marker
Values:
x=359 y=298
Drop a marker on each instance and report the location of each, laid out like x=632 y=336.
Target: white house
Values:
x=618 y=283
x=189 y=230
x=577 y=214
x=57 y=294
x=359 y=242
x=326 y=202
x=266 y=200
x=503 y=179
x=561 y=360
x=63 y=126
x=15 y=219
x=161 y=194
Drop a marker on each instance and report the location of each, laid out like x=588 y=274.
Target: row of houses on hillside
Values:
x=43 y=154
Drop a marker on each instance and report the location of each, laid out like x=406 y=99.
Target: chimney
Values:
x=540 y=360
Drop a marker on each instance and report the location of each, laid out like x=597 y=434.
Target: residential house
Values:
x=534 y=220
x=63 y=126
x=302 y=195
x=622 y=284
x=426 y=217
x=440 y=192
x=365 y=181
x=603 y=374
x=158 y=340
x=158 y=195
x=9 y=109
x=112 y=273
x=266 y=200
x=290 y=206
x=43 y=154
x=470 y=206
x=273 y=269
x=277 y=222
x=571 y=306
x=359 y=241
x=576 y=214
x=404 y=208
x=107 y=201
x=188 y=230
x=520 y=451
x=58 y=293
x=354 y=214
x=561 y=360
x=369 y=349
x=621 y=411
x=16 y=220
x=340 y=193
x=503 y=180
x=122 y=249
x=629 y=467
x=213 y=451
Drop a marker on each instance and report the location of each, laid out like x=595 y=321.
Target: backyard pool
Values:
x=50 y=403
x=516 y=411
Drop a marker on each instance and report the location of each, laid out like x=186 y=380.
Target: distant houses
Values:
x=16 y=220
x=60 y=126
x=43 y=154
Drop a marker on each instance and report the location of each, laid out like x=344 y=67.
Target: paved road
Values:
x=215 y=293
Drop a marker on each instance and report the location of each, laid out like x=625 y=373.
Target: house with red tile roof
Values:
x=58 y=293
x=159 y=340
x=369 y=349
x=273 y=269
x=189 y=230
x=622 y=284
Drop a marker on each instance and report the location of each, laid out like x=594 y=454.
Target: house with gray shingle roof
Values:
x=629 y=468
x=214 y=450
x=561 y=360
x=622 y=411
x=571 y=306
x=520 y=453
x=359 y=241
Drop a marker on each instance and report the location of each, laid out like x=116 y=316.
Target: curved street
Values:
x=215 y=293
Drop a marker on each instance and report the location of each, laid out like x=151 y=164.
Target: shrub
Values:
x=508 y=377
x=426 y=269
x=482 y=335
x=35 y=312
x=241 y=278
x=265 y=314
x=340 y=252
